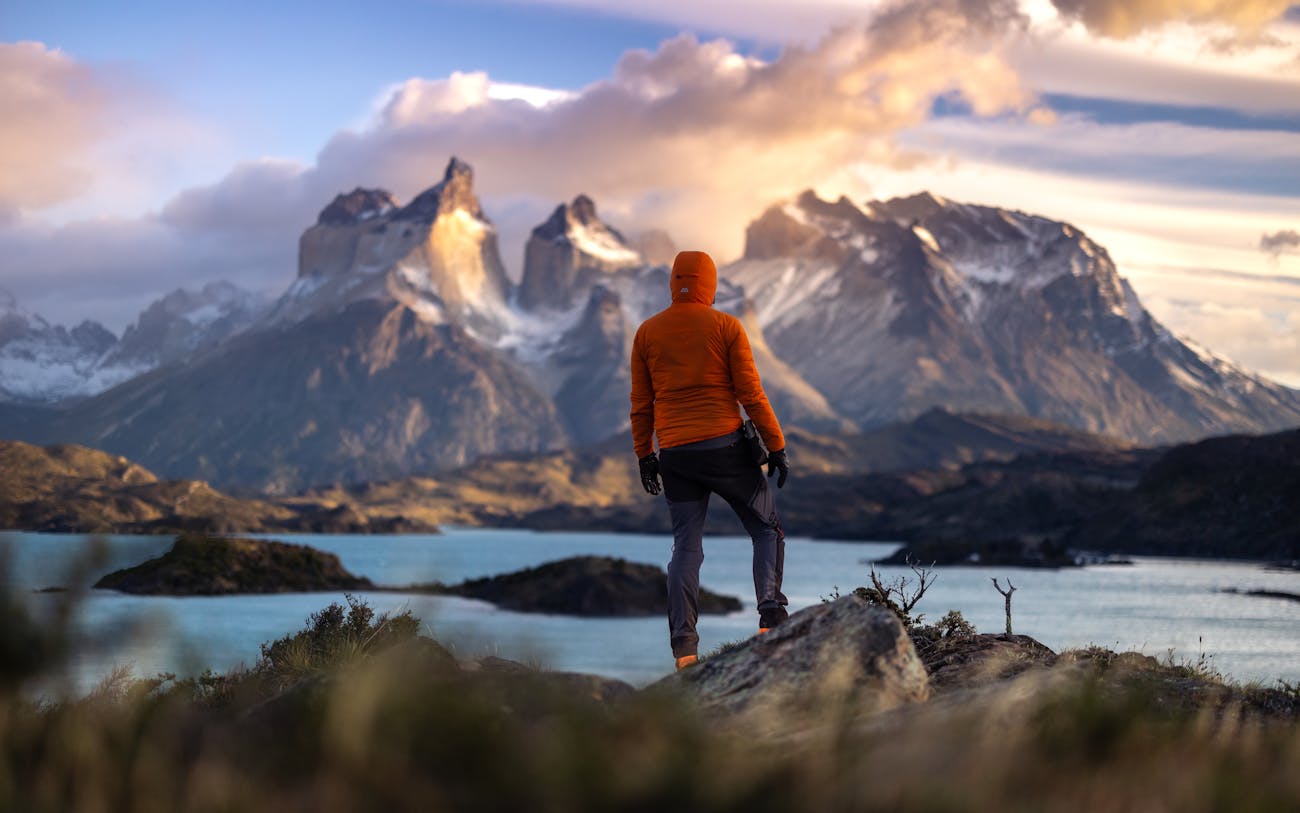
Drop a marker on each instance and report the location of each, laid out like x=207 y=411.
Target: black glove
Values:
x=777 y=461
x=650 y=473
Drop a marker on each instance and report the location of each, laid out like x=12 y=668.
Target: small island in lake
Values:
x=583 y=585
x=203 y=565
x=600 y=586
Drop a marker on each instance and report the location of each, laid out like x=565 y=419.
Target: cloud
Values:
x=1187 y=156
x=79 y=139
x=1126 y=18
x=1257 y=336
x=54 y=110
x=698 y=136
x=1286 y=241
x=694 y=136
x=773 y=21
x=1143 y=72
x=258 y=197
x=109 y=269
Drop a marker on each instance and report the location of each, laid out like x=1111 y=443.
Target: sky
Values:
x=152 y=146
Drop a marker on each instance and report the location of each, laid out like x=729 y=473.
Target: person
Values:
x=692 y=370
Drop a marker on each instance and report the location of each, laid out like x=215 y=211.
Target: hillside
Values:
x=72 y=489
x=598 y=486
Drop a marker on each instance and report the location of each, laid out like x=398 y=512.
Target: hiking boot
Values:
x=767 y=619
x=685 y=661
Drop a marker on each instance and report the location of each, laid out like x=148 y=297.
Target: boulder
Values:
x=501 y=673
x=587 y=586
x=202 y=565
x=976 y=660
x=845 y=657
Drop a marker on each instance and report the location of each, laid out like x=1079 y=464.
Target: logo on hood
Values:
x=694 y=278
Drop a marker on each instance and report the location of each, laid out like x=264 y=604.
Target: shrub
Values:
x=333 y=637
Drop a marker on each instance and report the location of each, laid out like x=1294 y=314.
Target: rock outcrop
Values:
x=72 y=489
x=980 y=659
x=845 y=657
x=200 y=565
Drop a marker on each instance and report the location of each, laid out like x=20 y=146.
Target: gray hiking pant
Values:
x=691 y=473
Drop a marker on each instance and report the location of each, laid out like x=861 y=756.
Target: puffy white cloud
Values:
x=699 y=137
x=1179 y=60
x=696 y=136
x=266 y=196
x=1126 y=18
x=54 y=109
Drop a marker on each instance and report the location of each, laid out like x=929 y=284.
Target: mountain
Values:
x=585 y=289
x=380 y=360
x=183 y=323
x=41 y=363
x=403 y=348
x=898 y=306
x=436 y=256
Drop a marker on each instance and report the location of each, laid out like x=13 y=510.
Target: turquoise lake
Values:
x=1156 y=606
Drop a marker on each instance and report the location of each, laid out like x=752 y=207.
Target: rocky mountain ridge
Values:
x=404 y=348
x=982 y=309
x=44 y=364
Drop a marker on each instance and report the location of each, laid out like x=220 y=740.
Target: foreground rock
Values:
x=587 y=586
x=980 y=659
x=199 y=565
x=846 y=656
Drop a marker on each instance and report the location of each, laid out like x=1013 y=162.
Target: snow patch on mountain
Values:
x=926 y=237
x=600 y=243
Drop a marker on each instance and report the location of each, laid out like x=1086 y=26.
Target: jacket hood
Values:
x=694 y=278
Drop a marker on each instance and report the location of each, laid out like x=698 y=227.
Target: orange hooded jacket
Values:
x=692 y=367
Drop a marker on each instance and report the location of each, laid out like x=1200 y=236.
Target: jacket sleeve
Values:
x=749 y=389
x=643 y=401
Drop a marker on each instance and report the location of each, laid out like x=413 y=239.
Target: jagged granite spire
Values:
x=454 y=191
x=565 y=254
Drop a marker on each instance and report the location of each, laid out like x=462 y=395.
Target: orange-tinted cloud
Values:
x=53 y=111
x=696 y=136
x=1125 y=18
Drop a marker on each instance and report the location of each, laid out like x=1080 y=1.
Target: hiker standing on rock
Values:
x=692 y=369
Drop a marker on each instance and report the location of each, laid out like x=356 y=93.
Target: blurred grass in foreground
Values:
x=356 y=712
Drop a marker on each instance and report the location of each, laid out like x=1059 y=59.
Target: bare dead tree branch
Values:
x=1011 y=588
x=899 y=594
x=926 y=577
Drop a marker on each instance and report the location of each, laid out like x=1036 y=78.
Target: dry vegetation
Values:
x=357 y=712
